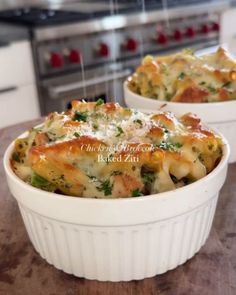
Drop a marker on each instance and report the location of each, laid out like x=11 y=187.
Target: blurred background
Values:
x=57 y=50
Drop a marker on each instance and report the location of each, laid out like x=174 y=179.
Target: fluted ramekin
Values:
x=119 y=239
x=218 y=115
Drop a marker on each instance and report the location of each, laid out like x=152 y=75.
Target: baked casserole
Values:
x=102 y=150
x=186 y=77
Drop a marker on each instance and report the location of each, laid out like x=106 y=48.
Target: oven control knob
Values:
x=103 y=50
x=56 y=60
x=177 y=35
x=131 y=44
x=190 y=32
x=74 y=56
x=205 y=29
x=162 y=38
x=215 y=27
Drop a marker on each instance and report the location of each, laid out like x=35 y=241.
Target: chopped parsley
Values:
x=211 y=89
x=166 y=130
x=136 y=193
x=120 y=131
x=173 y=147
x=138 y=121
x=227 y=84
x=99 y=102
x=106 y=187
x=148 y=177
x=80 y=116
x=76 y=134
x=181 y=76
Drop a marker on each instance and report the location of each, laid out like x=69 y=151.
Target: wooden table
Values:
x=24 y=272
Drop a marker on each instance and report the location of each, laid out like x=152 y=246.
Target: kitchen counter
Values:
x=11 y=33
x=24 y=272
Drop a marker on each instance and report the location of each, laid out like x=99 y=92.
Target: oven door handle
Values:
x=63 y=89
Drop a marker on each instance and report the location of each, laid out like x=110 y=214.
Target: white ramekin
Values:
x=119 y=239
x=218 y=115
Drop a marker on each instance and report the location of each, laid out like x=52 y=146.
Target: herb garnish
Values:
x=80 y=116
x=99 y=102
x=173 y=147
x=166 y=130
x=136 y=193
x=181 y=76
x=120 y=131
x=211 y=89
x=106 y=187
x=138 y=121
x=227 y=84
x=76 y=134
x=148 y=177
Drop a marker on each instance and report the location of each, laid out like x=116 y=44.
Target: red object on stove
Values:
x=75 y=56
x=56 y=60
x=131 y=44
x=162 y=38
x=103 y=50
x=177 y=35
x=190 y=32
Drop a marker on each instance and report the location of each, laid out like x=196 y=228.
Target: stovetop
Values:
x=85 y=10
x=35 y=17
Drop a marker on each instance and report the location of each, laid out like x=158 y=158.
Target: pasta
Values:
x=185 y=77
x=102 y=150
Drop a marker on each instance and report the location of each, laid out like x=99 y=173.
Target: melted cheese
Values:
x=184 y=77
x=104 y=150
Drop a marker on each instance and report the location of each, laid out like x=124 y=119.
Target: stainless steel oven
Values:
x=91 y=85
x=85 y=50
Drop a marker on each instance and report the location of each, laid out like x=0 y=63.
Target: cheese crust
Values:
x=185 y=77
x=102 y=150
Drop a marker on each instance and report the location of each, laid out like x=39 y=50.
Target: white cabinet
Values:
x=228 y=30
x=18 y=105
x=18 y=95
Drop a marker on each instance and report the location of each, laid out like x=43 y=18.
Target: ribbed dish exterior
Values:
x=120 y=253
x=228 y=130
